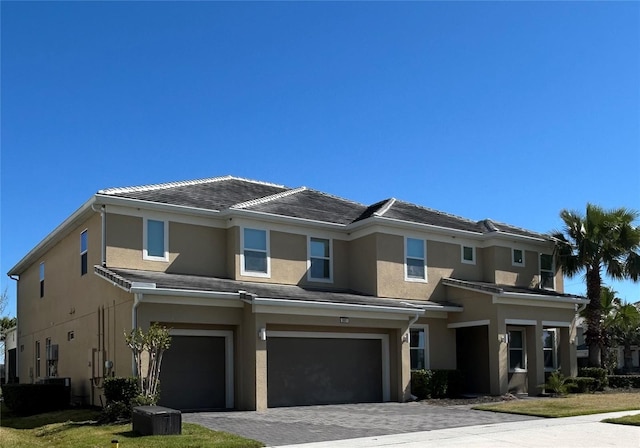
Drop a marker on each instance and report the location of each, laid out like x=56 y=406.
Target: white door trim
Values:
x=384 y=339
x=228 y=350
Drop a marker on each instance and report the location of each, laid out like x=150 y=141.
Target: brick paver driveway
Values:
x=285 y=426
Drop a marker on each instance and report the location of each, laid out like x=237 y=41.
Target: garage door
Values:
x=193 y=373
x=312 y=368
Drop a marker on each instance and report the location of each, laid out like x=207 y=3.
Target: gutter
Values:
x=335 y=306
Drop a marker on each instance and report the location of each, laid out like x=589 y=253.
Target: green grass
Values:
x=571 y=405
x=77 y=429
x=628 y=420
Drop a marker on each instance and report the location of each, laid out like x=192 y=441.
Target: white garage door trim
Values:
x=384 y=343
x=228 y=345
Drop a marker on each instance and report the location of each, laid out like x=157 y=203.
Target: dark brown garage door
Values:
x=192 y=375
x=308 y=371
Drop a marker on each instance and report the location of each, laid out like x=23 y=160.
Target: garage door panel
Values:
x=307 y=371
x=192 y=374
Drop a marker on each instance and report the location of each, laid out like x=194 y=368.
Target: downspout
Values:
x=103 y=233
x=137 y=298
x=405 y=336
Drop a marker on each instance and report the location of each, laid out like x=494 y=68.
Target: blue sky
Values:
x=503 y=110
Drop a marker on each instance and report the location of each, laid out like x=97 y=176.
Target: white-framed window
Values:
x=549 y=348
x=83 y=252
x=254 y=257
x=547 y=273
x=42 y=279
x=156 y=240
x=319 y=265
x=419 y=347
x=415 y=266
x=517 y=355
x=468 y=254
x=517 y=257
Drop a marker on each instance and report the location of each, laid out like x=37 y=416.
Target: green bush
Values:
x=435 y=383
x=120 y=389
x=557 y=384
x=597 y=373
x=29 y=399
x=624 y=381
x=581 y=384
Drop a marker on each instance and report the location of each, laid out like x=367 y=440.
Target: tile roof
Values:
x=495 y=288
x=234 y=193
x=126 y=277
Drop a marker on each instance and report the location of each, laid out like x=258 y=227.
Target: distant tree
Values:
x=625 y=330
x=5 y=321
x=601 y=240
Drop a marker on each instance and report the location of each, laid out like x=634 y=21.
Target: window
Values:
x=255 y=253
x=415 y=260
x=83 y=252
x=155 y=240
x=71 y=336
x=42 y=279
x=549 y=348
x=468 y=254
x=319 y=259
x=419 y=347
x=37 y=359
x=516 y=351
x=517 y=257
x=547 y=274
x=47 y=351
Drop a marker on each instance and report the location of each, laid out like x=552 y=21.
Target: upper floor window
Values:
x=83 y=252
x=517 y=257
x=549 y=348
x=319 y=259
x=517 y=359
x=156 y=240
x=419 y=347
x=468 y=254
x=547 y=274
x=415 y=260
x=255 y=252
x=42 y=279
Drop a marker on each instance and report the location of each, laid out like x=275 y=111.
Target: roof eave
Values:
x=53 y=237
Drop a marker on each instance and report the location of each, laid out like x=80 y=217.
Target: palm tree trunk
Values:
x=594 y=314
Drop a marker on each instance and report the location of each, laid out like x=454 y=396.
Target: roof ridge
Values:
x=184 y=183
x=451 y=215
x=512 y=226
x=269 y=198
x=382 y=210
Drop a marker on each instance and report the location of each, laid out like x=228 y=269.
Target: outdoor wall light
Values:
x=262 y=334
x=503 y=338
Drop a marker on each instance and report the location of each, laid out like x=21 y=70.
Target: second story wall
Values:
x=191 y=248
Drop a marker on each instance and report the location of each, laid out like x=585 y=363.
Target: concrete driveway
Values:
x=287 y=426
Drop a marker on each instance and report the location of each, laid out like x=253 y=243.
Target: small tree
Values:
x=154 y=342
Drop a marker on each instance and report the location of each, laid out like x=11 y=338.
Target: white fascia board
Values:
x=54 y=236
x=537 y=301
x=544 y=298
x=102 y=199
x=146 y=290
x=471 y=323
x=444 y=308
x=335 y=306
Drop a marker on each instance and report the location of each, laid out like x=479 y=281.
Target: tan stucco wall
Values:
x=72 y=303
x=362 y=265
x=442 y=344
x=193 y=249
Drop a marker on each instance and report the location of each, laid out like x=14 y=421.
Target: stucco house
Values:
x=280 y=296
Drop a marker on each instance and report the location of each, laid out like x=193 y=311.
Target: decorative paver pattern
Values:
x=286 y=426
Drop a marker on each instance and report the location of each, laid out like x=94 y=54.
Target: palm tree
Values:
x=625 y=330
x=601 y=240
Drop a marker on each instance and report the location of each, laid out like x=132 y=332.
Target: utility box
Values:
x=156 y=420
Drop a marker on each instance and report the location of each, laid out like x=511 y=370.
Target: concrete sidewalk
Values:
x=583 y=431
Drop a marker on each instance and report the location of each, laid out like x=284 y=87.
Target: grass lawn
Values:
x=75 y=428
x=571 y=405
x=628 y=420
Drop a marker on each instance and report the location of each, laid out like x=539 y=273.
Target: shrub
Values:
x=29 y=399
x=120 y=389
x=556 y=383
x=435 y=383
x=597 y=373
x=581 y=384
x=624 y=381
